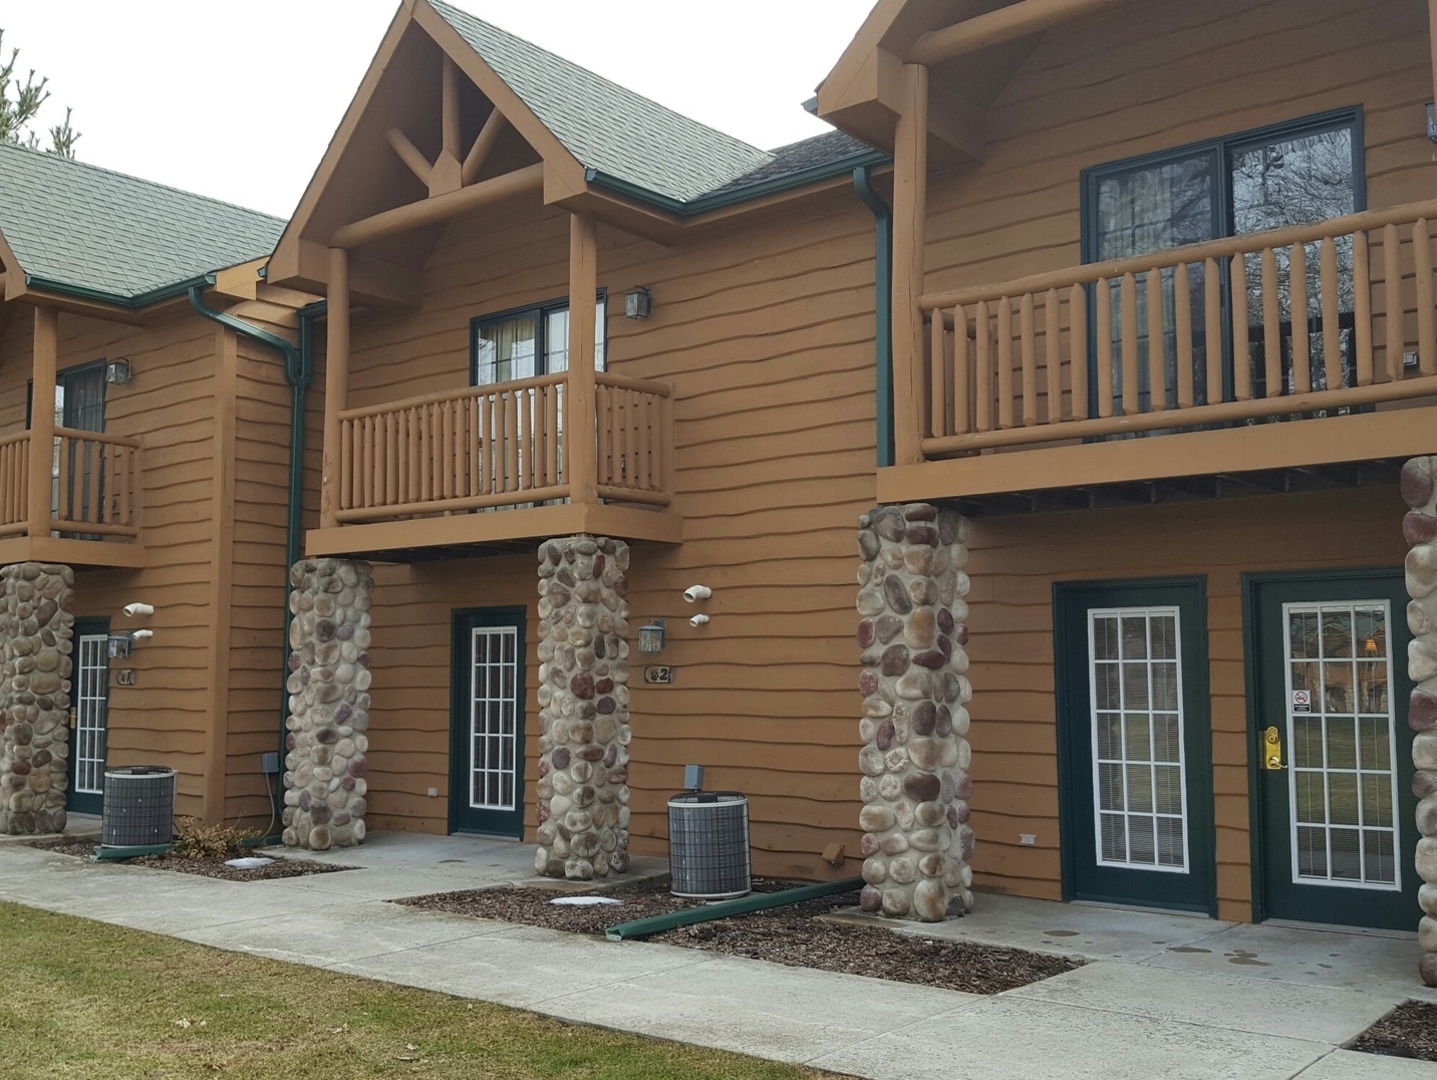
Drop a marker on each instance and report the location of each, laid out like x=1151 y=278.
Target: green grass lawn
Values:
x=87 y=1000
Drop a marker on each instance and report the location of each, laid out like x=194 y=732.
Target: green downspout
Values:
x=299 y=373
x=657 y=924
x=883 y=309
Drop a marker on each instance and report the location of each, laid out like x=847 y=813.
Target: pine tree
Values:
x=20 y=101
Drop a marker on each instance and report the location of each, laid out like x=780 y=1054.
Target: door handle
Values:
x=1272 y=750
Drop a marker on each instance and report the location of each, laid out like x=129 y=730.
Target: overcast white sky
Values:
x=238 y=100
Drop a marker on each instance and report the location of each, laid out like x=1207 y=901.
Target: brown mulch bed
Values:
x=1409 y=1031
x=213 y=868
x=793 y=935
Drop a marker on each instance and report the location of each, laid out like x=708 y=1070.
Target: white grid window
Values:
x=493 y=710
x=1134 y=657
x=1341 y=749
x=91 y=705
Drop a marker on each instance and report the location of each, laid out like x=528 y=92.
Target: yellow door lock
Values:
x=1272 y=749
x=74 y=719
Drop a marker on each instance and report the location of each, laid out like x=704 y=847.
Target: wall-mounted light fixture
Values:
x=1431 y=122
x=651 y=636
x=117 y=372
x=637 y=303
x=119 y=646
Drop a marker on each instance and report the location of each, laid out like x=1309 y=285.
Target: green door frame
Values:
x=88 y=803
x=1385 y=578
x=1074 y=723
x=461 y=817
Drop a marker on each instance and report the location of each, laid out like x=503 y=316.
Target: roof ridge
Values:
x=602 y=78
x=64 y=162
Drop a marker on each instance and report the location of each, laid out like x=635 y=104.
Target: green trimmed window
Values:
x=525 y=342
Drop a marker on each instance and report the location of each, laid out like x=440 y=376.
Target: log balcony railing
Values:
x=502 y=446
x=93 y=479
x=1295 y=322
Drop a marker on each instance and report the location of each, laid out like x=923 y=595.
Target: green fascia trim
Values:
x=132 y=303
x=703 y=204
x=656 y=924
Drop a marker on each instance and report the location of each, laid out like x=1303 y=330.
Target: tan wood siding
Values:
x=1013 y=565
x=767 y=336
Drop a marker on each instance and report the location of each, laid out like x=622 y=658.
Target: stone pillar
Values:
x=36 y=639
x=583 y=708
x=915 y=786
x=1420 y=529
x=325 y=768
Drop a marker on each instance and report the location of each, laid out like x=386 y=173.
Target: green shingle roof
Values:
x=89 y=228
x=606 y=127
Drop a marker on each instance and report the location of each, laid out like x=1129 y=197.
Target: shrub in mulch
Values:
x=793 y=935
x=212 y=866
x=1409 y=1031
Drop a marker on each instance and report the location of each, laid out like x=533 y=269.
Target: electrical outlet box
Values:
x=269 y=763
x=693 y=777
x=433 y=793
x=1027 y=839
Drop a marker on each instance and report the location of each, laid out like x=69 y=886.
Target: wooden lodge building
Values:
x=1108 y=325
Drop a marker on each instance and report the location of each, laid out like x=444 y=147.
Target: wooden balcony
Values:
x=93 y=485
x=490 y=465
x=1292 y=349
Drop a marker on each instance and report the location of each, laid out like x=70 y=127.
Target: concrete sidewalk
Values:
x=1166 y=996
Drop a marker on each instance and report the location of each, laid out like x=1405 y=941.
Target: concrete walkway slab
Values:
x=519 y=966
x=1232 y=1002
x=1349 y=1065
x=731 y=1003
x=1011 y=1037
x=1374 y=963
x=323 y=937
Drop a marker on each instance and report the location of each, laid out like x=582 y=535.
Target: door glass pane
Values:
x=1134 y=656
x=493 y=687
x=1340 y=738
x=91 y=708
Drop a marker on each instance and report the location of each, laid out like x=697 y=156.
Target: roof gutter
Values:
x=299 y=373
x=721 y=200
x=882 y=310
x=131 y=303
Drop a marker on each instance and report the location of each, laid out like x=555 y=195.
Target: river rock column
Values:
x=915 y=786
x=325 y=767
x=1420 y=528
x=584 y=730
x=36 y=639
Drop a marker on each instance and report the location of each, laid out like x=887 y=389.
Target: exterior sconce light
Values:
x=1431 y=122
x=637 y=303
x=119 y=646
x=651 y=636
x=117 y=372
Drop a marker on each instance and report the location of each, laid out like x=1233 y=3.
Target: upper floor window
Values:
x=526 y=342
x=1297 y=173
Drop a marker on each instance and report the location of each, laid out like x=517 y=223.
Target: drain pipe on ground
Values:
x=744 y=905
x=299 y=373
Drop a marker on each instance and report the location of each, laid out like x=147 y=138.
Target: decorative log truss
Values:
x=580 y=437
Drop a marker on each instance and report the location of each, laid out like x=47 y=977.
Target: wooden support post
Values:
x=336 y=384
x=582 y=466
x=450 y=109
x=42 y=417
x=910 y=182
